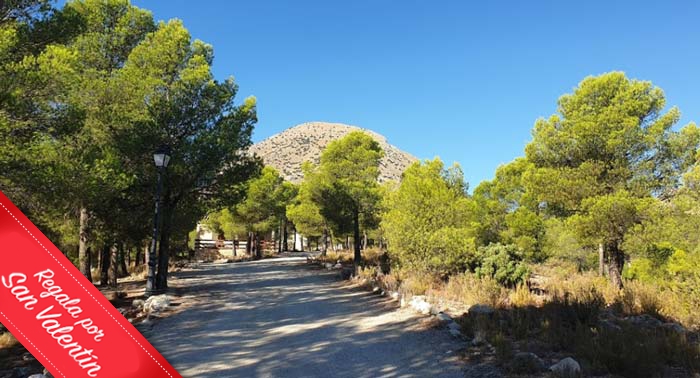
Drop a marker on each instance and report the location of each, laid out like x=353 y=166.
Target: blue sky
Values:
x=461 y=80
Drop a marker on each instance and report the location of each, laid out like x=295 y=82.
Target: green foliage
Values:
x=503 y=263
x=608 y=218
x=342 y=192
x=604 y=156
x=428 y=221
x=640 y=269
x=562 y=244
x=96 y=87
x=266 y=199
x=305 y=210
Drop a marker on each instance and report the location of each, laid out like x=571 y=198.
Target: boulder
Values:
x=645 y=321
x=156 y=303
x=419 y=304
x=566 y=368
x=479 y=309
x=444 y=317
x=674 y=328
x=526 y=363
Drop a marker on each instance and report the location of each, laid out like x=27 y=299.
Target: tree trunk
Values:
x=83 y=252
x=122 y=268
x=601 y=260
x=104 y=265
x=90 y=259
x=258 y=249
x=285 y=237
x=249 y=244
x=164 y=250
x=128 y=258
x=616 y=261
x=356 y=241
x=364 y=240
x=295 y=240
x=113 y=265
x=333 y=246
x=279 y=238
x=325 y=242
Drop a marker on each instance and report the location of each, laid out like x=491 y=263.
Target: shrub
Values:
x=503 y=263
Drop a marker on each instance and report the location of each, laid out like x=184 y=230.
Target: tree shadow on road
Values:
x=278 y=319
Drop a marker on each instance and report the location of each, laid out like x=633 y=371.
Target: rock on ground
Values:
x=566 y=368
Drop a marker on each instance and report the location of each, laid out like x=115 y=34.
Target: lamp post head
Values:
x=162 y=156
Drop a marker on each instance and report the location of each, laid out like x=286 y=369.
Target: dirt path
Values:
x=278 y=318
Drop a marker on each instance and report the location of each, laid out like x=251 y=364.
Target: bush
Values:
x=503 y=263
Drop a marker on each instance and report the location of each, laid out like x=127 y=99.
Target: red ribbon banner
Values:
x=61 y=317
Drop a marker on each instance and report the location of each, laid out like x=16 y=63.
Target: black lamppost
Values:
x=161 y=157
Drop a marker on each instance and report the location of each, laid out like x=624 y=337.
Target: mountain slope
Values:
x=287 y=150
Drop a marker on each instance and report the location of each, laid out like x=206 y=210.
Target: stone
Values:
x=419 y=304
x=444 y=317
x=138 y=303
x=566 y=368
x=338 y=266
x=456 y=333
x=526 y=363
x=610 y=326
x=395 y=295
x=479 y=309
x=20 y=372
x=454 y=325
x=479 y=339
x=156 y=303
x=645 y=321
x=483 y=370
x=674 y=328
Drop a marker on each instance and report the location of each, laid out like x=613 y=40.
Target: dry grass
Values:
x=521 y=296
x=7 y=340
x=418 y=283
x=469 y=289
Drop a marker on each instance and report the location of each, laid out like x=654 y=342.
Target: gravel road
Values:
x=279 y=318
